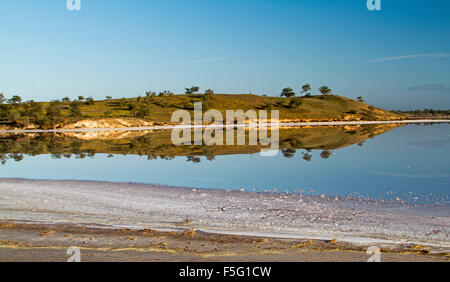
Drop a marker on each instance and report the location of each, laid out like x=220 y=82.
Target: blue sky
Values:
x=398 y=57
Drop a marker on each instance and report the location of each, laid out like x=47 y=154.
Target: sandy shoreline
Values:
x=41 y=218
x=39 y=242
x=250 y=125
x=94 y=204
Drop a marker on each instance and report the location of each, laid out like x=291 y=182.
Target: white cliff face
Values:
x=109 y=123
x=106 y=135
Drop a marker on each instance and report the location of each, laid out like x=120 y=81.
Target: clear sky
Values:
x=398 y=57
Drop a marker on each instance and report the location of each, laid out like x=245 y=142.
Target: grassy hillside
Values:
x=159 y=109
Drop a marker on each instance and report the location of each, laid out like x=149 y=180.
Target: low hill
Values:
x=315 y=108
x=141 y=111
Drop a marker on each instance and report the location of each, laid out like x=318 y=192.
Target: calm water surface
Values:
x=411 y=163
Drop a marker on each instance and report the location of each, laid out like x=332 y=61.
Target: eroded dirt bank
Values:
x=38 y=242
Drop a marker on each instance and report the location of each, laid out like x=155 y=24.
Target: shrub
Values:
x=294 y=103
x=287 y=92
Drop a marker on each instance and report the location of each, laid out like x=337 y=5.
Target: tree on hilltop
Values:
x=325 y=90
x=15 y=100
x=305 y=89
x=192 y=90
x=287 y=92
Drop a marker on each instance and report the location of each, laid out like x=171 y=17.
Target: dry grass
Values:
x=320 y=107
x=189 y=233
x=46 y=233
x=304 y=244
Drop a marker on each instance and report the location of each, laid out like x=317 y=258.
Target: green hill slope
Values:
x=328 y=107
x=159 y=109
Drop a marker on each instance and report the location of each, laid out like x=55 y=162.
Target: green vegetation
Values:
x=158 y=108
x=209 y=92
x=325 y=90
x=424 y=113
x=192 y=90
x=306 y=90
x=158 y=144
x=287 y=92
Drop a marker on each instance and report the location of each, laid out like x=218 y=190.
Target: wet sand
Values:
x=137 y=222
x=38 y=243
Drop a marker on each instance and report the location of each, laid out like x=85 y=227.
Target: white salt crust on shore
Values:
x=354 y=220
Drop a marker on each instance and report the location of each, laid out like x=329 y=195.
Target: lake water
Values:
x=409 y=162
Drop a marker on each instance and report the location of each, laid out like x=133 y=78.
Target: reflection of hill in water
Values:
x=158 y=143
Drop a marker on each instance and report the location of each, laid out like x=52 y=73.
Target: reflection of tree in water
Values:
x=307 y=156
x=155 y=145
x=65 y=147
x=16 y=157
x=208 y=153
x=326 y=154
x=75 y=147
x=56 y=155
x=91 y=153
x=80 y=156
x=288 y=153
x=193 y=159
